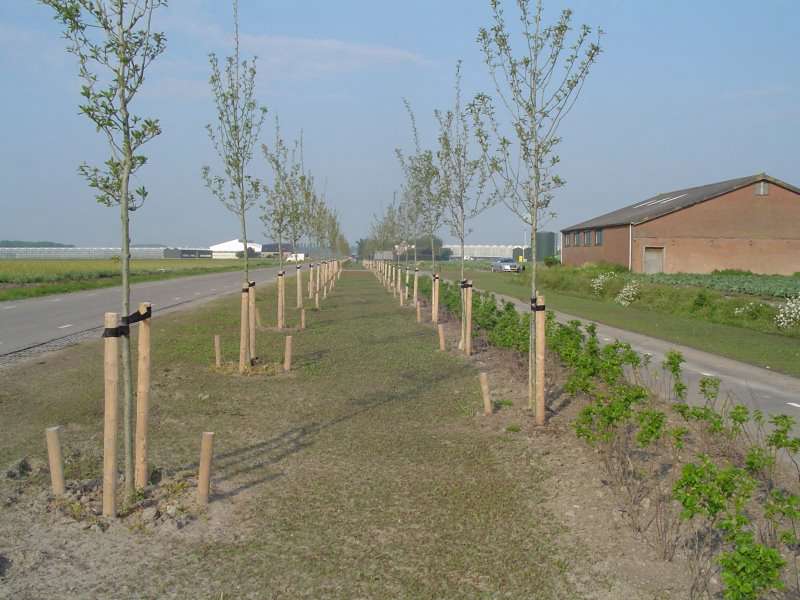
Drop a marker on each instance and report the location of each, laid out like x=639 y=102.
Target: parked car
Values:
x=506 y=265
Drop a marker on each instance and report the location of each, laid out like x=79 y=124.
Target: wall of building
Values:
x=613 y=250
x=738 y=230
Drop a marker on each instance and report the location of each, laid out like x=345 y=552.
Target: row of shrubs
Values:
x=706 y=483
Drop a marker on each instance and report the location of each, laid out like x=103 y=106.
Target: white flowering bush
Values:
x=629 y=293
x=599 y=282
x=788 y=314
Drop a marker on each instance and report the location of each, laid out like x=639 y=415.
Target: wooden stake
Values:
x=287 y=355
x=416 y=285
x=251 y=313
x=316 y=300
x=442 y=345
x=435 y=303
x=419 y=312
x=56 y=460
x=111 y=401
x=204 y=475
x=302 y=318
x=281 y=302
x=468 y=327
x=217 y=351
x=142 y=398
x=299 y=286
x=487 y=398
x=244 y=344
x=540 y=354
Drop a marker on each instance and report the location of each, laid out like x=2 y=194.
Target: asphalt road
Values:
x=38 y=324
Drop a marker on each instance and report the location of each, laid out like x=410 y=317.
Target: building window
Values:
x=598 y=237
x=567 y=239
x=587 y=238
x=762 y=188
x=577 y=238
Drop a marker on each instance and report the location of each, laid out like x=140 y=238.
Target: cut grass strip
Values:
x=361 y=474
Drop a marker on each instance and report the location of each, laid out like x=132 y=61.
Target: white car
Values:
x=506 y=265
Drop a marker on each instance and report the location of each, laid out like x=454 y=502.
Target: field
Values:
x=31 y=278
x=698 y=317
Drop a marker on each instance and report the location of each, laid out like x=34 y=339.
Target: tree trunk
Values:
x=127 y=376
x=532 y=326
x=433 y=256
x=125 y=264
x=243 y=223
x=463 y=296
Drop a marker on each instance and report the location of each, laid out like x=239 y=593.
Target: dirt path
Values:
x=365 y=473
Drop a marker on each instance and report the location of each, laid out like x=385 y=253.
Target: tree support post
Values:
x=56 y=460
x=540 y=357
x=110 y=410
x=204 y=474
x=244 y=344
x=143 y=397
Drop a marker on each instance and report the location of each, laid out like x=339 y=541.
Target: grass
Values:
x=32 y=278
x=360 y=474
x=764 y=349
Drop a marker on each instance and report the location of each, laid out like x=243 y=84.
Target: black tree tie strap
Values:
x=115 y=332
x=124 y=328
x=245 y=290
x=252 y=284
x=536 y=307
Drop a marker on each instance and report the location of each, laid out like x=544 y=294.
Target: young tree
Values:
x=276 y=211
x=537 y=88
x=115 y=45
x=239 y=121
x=463 y=175
x=422 y=181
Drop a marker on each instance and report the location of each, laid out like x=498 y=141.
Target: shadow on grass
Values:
x=231 y=465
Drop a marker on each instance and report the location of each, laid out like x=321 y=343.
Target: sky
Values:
x=685 y=93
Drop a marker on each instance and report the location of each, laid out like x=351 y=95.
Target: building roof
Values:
x=665 y=203
x=234 y=246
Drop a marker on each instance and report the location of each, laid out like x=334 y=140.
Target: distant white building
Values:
x=230 y=248
x=299 y=257
x=484 y=250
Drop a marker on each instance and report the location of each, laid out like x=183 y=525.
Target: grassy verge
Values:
x=32 y=278
x=778 y=352
x=359 y=474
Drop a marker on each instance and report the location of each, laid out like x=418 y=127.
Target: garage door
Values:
x=653 y=260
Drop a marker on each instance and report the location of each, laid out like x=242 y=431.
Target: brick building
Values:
x=750 y=223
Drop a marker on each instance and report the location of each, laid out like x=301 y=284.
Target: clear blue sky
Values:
x=685 y=93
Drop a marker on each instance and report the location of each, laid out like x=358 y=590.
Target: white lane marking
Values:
x=177 y=298
x=704 y=374
x=213 y=289
x=55 y=300
x=605 y=339
x=65 y=326
x=197 y=293
x=793 y=404
x=9 y=307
